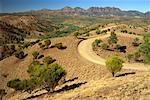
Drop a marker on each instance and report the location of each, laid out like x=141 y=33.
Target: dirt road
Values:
x=85 y=50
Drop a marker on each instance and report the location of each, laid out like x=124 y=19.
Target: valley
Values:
x=63 y=54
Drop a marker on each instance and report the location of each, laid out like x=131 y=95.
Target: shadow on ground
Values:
x=70 y=87
x=125 y=74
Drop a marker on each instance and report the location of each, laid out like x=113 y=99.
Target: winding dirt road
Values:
x=85 y=50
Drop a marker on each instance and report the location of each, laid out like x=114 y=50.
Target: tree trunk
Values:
x=113 y=74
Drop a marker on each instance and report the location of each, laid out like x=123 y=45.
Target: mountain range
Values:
x=92 y=11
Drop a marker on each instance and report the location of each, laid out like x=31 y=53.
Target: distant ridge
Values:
x=92 y=11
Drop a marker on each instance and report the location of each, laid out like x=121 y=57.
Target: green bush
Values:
x=104 y=46
x=112 y=38
x=27 y=84
x=48 y=74
x=104 y=31
x=137 y=55
x=48 y=60
x=77 y=34
x=114 y=64
x=35 y=54
x=52 y=75
x=130 y=57
x=47 y=43
x=124 y=31
x=98 y=31
x=136 y=42
x=96 y=43
x=2 y=93
x=19 y=54
x=144 y=48
x=60 y=46
x=120 y=48
x=15 y=84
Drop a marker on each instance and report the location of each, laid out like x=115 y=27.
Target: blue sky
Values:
x=25 y=5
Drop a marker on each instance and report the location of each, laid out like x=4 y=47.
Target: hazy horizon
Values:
x=7 y=6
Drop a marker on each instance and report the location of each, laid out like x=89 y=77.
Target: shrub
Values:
x=19 y=54
x=130 y=32
x=76 y=34
x=2 y=93
x=96 y=43
x=136 y=42
x=15 y=84
x=120 y=48
x=114 y=64
x=104 y=31
x=124 y=31
x=47 y=43
x=98 y=31
x=87 y=34
x=145 y=48
x=27 y=84
x=41 y=75
x=129 y=57
x=137 y=55
x=48 y=60
x=112 y=38
x=104 y=46
x=60 y=46
x=35 y=54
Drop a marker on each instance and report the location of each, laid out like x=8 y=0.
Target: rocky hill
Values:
x=92 y=11
x=14 y=28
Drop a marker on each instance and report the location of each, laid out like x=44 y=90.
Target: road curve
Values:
x=85 y=50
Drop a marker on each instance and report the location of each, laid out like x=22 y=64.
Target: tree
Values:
x=145 y=48
x=52 y=75
x=112 y=38
x=41 y=76
x=114 y=64
x=35 y=54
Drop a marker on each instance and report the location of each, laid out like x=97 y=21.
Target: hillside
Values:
x=14 y=29
x=67 y=37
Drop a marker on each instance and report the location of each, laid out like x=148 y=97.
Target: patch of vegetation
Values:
x=96 y=43
x=19 y=54
x=47 y=43
x=104 y=46
x=98 y=31
x=145 y=48
x=41 y=76
x=112 y=39
x=60 y=46
x=35 y=54
x=104 y=31
x=48 y=60
x=7 y=51
x=114 y=64
x=120 y=48
x=136 y=42
x=124 y=31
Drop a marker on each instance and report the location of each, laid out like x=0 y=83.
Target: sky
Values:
x=26 y=5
